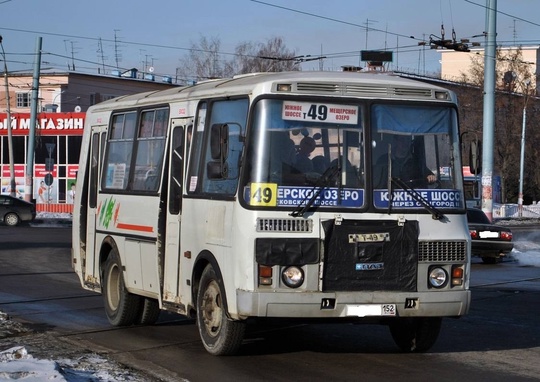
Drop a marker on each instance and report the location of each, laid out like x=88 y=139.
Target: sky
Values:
x=91 y=36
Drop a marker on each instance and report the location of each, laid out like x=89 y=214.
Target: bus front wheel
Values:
x=220 y=335
x=415 y=335
x=122 y=308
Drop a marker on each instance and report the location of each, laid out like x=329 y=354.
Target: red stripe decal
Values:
x=135 y=227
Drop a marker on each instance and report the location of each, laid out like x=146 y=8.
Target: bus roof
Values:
x=354 y=84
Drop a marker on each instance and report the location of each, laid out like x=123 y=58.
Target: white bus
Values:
x=276 y=195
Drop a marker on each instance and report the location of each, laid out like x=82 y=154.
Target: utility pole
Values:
x=12 y=184
x=117 y=55
x=368 y=21
x=522 y=156
x=490 y=56
x=28 y=186
x=101 y=55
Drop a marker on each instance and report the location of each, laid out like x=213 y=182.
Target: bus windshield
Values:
x=314 y=153
x=295 y=144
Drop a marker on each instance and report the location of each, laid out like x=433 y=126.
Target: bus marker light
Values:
x=441 y=95
x=284 y=87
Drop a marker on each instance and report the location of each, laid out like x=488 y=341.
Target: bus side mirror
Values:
x=217 y=168
x=475 y=157
x=219 y=141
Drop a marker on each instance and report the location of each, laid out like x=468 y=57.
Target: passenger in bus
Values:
x=320 y=164
x=288 y=153
x=281 y=157
x=302 y=162
x=406 y=165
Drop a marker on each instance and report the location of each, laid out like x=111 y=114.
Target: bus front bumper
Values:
x=352 y=304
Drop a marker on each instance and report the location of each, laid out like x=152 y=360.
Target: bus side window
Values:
x=150 y=149
x=233 y=113
x=195 y=145
x=119 y=149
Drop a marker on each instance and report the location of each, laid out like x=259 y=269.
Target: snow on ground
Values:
x=30 y=356
x=53 y=215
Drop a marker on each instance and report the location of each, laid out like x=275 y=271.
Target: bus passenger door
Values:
x=94 y=169
x=174 y=207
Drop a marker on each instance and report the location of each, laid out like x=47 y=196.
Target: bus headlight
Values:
x=293 y=276
x=437 y=277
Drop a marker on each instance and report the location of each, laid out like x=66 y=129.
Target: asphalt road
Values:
x=498 y=341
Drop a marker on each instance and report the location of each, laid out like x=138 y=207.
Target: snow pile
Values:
x=58 y=361
x=16 y=363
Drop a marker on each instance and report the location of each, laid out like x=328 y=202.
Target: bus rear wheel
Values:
x=219 y=334
x=122 y=308
x=149 y=311
x=415 y=335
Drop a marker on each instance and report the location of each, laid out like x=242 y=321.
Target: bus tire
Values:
x=122 y=308
x=149 y=312
x=219 y=334
x=415 y=335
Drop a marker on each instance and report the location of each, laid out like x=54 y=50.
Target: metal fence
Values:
x=512 y=211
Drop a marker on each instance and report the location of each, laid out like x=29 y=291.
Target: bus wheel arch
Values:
x=121 y=307
x=203 y=259
x=219 y=333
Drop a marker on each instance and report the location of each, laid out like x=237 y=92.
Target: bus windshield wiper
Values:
x=435 y=213
x=326 y=178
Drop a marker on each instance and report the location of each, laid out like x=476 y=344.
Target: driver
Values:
x=406 y=165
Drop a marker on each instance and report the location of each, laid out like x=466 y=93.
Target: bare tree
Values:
x=272 y=56
x=205 y=60
x=514 y=89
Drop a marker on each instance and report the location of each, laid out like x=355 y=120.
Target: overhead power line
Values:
x=503 y=13
x=332 y=19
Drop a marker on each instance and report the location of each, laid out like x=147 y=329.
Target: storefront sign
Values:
x=46 y=123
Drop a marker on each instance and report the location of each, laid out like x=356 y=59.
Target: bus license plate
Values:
x=365 y=310
x=389 y=310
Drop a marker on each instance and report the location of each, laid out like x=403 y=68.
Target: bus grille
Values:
x=363 y=90
x=284 y=225
x=442 y=251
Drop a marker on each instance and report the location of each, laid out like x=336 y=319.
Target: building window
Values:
x=23 y=99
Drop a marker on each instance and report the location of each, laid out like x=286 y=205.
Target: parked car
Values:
x=13 y=210
x=489 y=241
